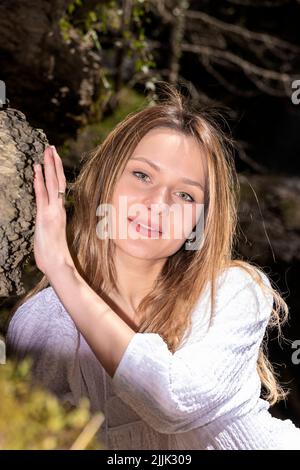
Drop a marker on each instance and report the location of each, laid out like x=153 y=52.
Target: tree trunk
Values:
x=20 y=146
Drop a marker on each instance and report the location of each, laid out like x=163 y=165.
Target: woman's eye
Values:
x=140 y=173
x=191 y=199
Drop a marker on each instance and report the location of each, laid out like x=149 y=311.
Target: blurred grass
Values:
x=32 y=418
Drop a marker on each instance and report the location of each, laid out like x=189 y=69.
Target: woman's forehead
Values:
x=168 y=150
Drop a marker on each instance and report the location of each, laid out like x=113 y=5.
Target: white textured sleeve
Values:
x=178 y=392
x=41 y=330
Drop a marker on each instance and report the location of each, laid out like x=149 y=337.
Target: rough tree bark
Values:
x=20 y=146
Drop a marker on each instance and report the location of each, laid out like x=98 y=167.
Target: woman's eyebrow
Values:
x=156 y=167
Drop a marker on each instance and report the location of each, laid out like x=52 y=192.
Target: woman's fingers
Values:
x=41 y=194
x=62 y=183
x=47 y=192
x=50 y=175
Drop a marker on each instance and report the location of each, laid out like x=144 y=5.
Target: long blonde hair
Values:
x=184 y=276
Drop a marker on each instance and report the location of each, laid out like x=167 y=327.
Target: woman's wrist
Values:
x=58 y=266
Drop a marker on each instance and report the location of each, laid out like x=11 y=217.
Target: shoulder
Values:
x=239 y=302
x=239 y=276
x=40 y=318
x=235 y=284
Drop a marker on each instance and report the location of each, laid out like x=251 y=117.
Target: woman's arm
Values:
x=106 y=333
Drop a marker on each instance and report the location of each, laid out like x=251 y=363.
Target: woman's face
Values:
x=162 y=187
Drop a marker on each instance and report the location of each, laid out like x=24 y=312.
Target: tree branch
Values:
x=249 y=68
x=267 y=39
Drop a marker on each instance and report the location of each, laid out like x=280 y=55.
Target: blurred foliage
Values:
x=32 y=418
x=108 y=21
x=93 y=134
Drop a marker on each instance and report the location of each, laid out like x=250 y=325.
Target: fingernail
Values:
x=53 y=148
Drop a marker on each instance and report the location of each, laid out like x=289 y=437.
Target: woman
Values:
x=163 y=331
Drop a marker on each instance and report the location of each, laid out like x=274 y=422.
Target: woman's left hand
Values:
x=50 y=242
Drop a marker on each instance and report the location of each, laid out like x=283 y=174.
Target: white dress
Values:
x=204 y=396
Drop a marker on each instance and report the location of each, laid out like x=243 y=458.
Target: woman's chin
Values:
x=148 y=249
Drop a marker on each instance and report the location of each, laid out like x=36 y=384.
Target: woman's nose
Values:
x=158 y=204
x=159 y=199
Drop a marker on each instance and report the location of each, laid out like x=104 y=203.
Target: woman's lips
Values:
x=145 y=229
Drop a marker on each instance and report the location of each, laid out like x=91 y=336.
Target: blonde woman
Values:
x=161 y=329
